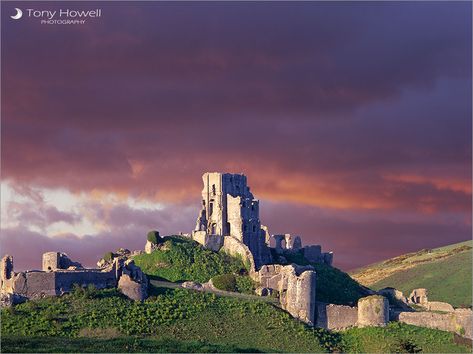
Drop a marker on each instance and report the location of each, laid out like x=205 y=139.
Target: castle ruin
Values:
x=230 y=210
x=229 y=220
x=60 y=274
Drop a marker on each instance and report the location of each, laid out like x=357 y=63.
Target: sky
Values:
x=352 y=121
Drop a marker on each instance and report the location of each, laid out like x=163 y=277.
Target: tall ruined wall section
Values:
x=300 y=295
x=37 y=284
x=229 y=209
x=296 y=286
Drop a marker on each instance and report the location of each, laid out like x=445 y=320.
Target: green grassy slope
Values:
x=333 y=285
x=187 y=321
x=401 y=338
x=447 y=280
x=183 y=259
x=179 y=316
x=445 y=271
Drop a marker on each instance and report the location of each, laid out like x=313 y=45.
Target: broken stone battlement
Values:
x=60 y=275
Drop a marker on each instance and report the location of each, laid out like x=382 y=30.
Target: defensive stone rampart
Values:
x=459 y=321
x=54 y=282
x=373 y=311
x=336 y=317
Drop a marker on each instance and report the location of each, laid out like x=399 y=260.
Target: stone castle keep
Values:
x=230 y=210
x=229 y=220
x=230 y=214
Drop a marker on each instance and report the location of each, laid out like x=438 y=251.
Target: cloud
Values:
x=30 y=233
x=357 y=107
x=362 y=237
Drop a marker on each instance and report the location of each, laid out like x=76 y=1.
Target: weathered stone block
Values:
x=373 y=311
x=439 y=306
x=336 y=317
x=313 y=253
x=131 y=289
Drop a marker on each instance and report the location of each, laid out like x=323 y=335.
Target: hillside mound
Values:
x=446 y=272
x=181 y=259
x=333 y=285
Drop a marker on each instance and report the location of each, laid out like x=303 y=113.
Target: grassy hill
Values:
x=187 y=321
x=446 y=272
x=182 y=259
x=333 y=285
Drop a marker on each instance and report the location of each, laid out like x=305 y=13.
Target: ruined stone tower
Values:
x=229 y=209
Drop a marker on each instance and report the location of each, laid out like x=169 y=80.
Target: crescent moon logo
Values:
x=18 y=15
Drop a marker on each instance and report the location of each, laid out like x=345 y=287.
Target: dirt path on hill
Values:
x=171 y=285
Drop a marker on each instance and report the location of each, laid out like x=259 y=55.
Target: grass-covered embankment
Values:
x=187 y=321
x=181 y=259
x=174 y=315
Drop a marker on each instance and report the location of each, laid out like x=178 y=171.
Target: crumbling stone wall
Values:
x=459 y=321
x=6 y=269
x=300 y=295
x=373 y=311
x=336 y=317
x=418 y=296
x=314 y=254
x=150 y=247
x=439 y=306
x=58 y=260
x=37 y=284
x=296 y=286
x=234 y=247
x=213 y=242
x=133 y=282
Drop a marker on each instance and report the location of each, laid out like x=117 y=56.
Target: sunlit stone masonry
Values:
x=230 y=210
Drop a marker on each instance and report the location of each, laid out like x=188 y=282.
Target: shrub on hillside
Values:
x=88 y=292
x=108 y=256
x=226 y=282
x=244 y=284
x=153 y=237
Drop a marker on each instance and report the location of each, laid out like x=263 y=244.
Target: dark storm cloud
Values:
x=357 y=105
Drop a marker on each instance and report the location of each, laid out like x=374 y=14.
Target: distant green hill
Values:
x=446 y=272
